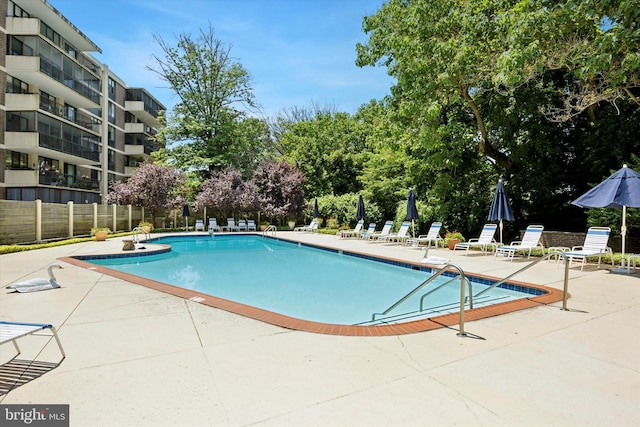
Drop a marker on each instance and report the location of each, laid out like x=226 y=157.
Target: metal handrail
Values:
x=565 y=291
x=442 y=270
x=445 y=284
x=139 y=230
x=272 y=228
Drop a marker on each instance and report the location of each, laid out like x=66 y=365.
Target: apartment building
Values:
x=69 y=126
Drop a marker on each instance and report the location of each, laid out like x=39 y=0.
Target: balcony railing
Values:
x=59 y=179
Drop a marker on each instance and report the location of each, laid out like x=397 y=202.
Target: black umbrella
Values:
x=412 y=211
x=315 y=209
x=620 y=190
x=360 y=213
x=185 y=214
x=500 y=208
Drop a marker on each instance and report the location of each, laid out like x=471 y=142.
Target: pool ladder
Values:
x=136 y=234
x=463 y=279
x=271 y=228
x=444 y=269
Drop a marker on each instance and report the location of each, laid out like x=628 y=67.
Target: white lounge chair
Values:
x=483 y=242
x=199 y=225
x=213 y=225
x=386 y=229
x=432 y=236
x=11 y=331
x=351 y=233
x=371 y=230
x=530 y=241
x=400 y=236
x=595 y=243
x=242 y=225
x=251 y=225
x=231 y=225
x=313 y=225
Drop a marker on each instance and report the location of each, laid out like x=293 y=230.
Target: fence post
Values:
x=70 y=210
x=95 y=215
x=114 y=220
x=38 y=220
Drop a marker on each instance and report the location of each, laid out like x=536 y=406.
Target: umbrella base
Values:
x=622 y=270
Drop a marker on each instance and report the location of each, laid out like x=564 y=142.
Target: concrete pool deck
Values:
x=138 y=357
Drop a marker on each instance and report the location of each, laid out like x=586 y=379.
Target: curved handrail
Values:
x=442 y=270
x=139 y=230
x=526 y=267
x=272 y=228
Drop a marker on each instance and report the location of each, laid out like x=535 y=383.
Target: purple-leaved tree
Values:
x=279 y=186
x=226 y=192
x=151 y=186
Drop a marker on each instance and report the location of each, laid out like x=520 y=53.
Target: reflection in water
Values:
x=186 y=277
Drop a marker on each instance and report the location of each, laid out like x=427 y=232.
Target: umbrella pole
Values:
x=500 y=230
x=623 y=233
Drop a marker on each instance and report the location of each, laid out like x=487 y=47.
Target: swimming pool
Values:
x=300 y=281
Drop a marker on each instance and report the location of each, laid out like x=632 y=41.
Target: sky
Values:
x=299 y=53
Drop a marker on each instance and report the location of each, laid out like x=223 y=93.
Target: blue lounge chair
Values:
x=313 y=226
x=530 y=241
x=483 y=242
x=386 y=229
x=399 y=237
x=432 y=236
x=595 y=243
x=351 y=233
x=11 y=331
x=213 y=225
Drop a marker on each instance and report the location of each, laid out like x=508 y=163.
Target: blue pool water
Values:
x=296 y=280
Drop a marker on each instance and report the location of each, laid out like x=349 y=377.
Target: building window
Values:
x=49 y=33
x=16 y=11
x=17 y=160
x=112 y=113
x=69 y=112
x=47 y=102
x=16 y=85
x=112 y=89
x=20 y=121
x=111 y=136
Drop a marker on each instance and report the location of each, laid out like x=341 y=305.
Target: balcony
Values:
x=134 y=127
x=141 y=112
x=20 y=177
x=32 y=178
x=32 y=102
x=29 y=68
x=46 y=146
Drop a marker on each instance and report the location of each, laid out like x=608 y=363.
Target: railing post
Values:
x=565 y=290
x=70 y=211
x=461 y=332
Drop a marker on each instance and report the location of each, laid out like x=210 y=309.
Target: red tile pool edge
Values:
x=552 y=295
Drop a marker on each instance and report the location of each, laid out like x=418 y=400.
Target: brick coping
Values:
x=550 y=295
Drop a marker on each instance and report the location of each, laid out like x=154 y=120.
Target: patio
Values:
x=138 y=357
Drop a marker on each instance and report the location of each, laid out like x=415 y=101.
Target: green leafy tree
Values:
x=208 y=129
x=329 y=148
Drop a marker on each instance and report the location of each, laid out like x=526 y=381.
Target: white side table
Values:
x=557 y=249
x=632 y=258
